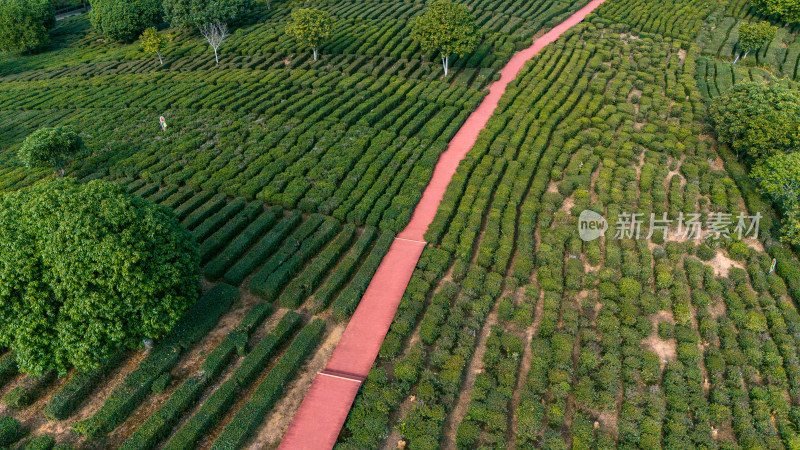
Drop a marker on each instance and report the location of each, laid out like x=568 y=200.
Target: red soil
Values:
x=319 y=419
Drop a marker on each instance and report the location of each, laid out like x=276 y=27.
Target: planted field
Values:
x=295 y=175
x=516 y=332
x=720 y=40
x=292 y=175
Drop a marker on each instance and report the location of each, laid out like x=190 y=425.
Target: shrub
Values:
x=10 y=430
x=739 y=251
x=41 y=443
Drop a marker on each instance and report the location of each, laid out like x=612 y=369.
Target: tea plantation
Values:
x=295 y=175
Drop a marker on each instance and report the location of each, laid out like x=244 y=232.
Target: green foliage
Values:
x=446 y=27
x=10 y=430
x=310 y=28
x=153 y=43
x=753 y=36
x=51 y=147
x=787 y=11
x=80 y=255
x=757 y=119
x=198 y=320
x=124 y=20
x=778 y=177
x=24 y=24
x=44 y=442
x=194 y=13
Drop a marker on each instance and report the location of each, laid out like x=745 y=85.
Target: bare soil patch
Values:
x=666 y=350
x=722 y=264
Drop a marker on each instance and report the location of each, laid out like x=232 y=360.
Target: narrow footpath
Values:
x=319 y=419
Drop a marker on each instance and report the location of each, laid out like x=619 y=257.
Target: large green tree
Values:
x=787 y=11
x=310 y=28
x=86 y=270
x=754 y=35
x=448 y=28
x=758 y=120
x=124 y=20
x=196 y=13
x=24 y=24
x=778 y=177
x=51 y=147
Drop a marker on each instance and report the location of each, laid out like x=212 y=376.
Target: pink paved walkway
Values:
x=319 y=419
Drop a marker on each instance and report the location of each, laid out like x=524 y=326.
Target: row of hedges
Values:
x=160 y=424
x=198 y=320
x=220 y=401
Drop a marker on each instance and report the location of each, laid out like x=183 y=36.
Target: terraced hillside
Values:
x=516 y=333
x=293 y=175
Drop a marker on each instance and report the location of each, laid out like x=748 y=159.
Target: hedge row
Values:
x=160 y=424
x=224 y=232
x=220 y=402
x=301 y=287
x=215 y=268
x=252 y=413
x=70 y=396
x=342 y=272
x=268 y=245
x=203 y=212
x=198 y=320
x=347 y=301
x=290 y=259
x=24 y=394
x=10 y=430
x=192 y=204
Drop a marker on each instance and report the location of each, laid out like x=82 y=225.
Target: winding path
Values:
x=319 y=419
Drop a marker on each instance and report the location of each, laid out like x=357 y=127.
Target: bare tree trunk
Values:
x=160 y=61
x=216 y=57
x=737 y=58
x=446 y=64
x=315 y=53
x=60 y=172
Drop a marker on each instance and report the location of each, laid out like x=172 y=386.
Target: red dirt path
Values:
x=319 y=419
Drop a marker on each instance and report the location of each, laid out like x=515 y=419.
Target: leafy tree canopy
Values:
x=195 y=13
x=754 y=35
x=153 y=43
x=779 y=178
x=787 y=11
x=51 y=147
x=446 y=27
x=757 y=119
x=24 y=24
x=86 y=270
x=124 y=20
x=310 y=27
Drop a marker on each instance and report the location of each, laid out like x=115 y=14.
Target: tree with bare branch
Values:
x=215 y=33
